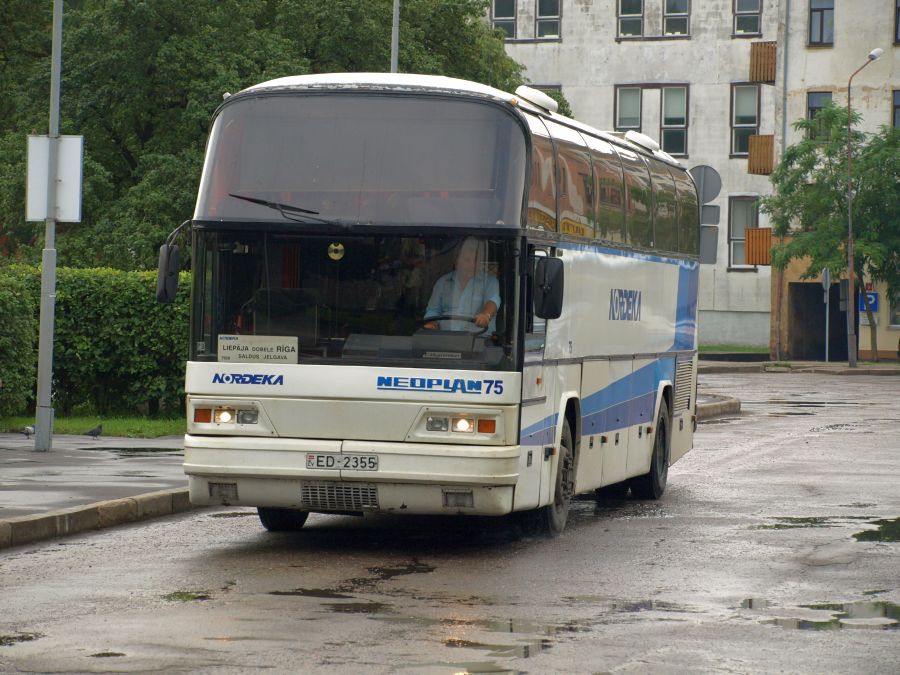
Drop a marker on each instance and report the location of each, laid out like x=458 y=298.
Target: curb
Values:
x=722 y=405
x=96 y=516
x=100 y=515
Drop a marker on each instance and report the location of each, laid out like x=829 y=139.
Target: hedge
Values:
x=115 y=348
x=18 y=341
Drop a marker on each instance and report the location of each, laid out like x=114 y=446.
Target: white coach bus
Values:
x=343 y=360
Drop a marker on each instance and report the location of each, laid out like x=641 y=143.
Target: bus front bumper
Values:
x=410 y=478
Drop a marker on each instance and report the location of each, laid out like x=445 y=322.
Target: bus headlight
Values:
x=223 y=415
x=247 y=416
x=464 y=425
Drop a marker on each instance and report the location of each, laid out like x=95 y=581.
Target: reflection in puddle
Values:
x=830 y=616
x=358 y=607
x=887 y=530
x=522 y=651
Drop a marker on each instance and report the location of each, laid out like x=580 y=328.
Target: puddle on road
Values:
x=127 y=453
x=106 y=655
x=886 y=530
x=467 y=667
x=315 y=593
x=871 y=615
x=792 y=523
x=15 y=638
x=358 y=607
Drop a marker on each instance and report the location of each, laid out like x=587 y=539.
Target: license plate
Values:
x=316 y=460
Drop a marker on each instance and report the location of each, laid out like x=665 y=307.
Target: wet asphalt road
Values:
x=775 y=549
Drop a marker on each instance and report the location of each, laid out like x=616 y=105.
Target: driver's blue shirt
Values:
x=448 y=298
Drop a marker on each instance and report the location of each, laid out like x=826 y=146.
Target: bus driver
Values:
x=465 y=292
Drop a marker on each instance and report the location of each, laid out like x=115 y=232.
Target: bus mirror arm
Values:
x=169 y=266
x=548 y=288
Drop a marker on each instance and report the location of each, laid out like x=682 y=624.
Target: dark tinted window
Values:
x=638 y=217
x=687 y=213
x=664 y=219
x=576 y=182
x=542 y=191
x=365 y=158
x=609 y=188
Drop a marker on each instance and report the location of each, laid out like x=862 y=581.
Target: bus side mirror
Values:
x=548 y=288
x=709 y=244
x=167 y=273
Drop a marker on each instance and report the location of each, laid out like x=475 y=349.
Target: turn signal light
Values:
x=202 y=415
x=487 y=426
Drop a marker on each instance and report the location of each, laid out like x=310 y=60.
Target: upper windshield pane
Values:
x=371 y=158
x=437 y=302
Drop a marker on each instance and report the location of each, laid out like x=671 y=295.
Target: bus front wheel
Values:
x=652 y=485
x=282 y=520
x=551 y=519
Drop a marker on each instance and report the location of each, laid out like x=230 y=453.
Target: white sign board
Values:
x=257 y=349
x=69 y=162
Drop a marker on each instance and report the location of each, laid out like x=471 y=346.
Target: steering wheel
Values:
x=457 y=317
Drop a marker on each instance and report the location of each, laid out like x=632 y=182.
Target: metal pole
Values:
x=43 y=429
x=827 y=320
x=395 y=36
x=851 y=286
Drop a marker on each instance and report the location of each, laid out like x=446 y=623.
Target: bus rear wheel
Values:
x=551 y=520
x=282 y=520
x=652 y=485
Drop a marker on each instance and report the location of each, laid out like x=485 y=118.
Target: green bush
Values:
x=115 y=348
x=18 y=341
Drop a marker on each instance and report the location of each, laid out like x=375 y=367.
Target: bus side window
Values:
x=535 y=327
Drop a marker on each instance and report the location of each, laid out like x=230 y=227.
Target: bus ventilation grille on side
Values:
x=328 y=496
x=684 y=372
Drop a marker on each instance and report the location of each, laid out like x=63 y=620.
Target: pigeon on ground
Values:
x=96 y=431
x=28 y=431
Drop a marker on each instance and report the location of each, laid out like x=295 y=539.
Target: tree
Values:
x=141 y=79
x=809 y=202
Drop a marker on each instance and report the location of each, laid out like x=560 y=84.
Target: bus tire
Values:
x=551 y=520
x=652 y=485
x=282 y=520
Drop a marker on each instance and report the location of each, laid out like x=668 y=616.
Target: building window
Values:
x=631 y=18
x=673 y=131
x=744 y=116
x=503 y=16
x=821 y=22
x=547 y=18
x=815 y=101
x=897 y=22
x=895 y=310
x=747 y=17
x=676 y=17
x=897 y=109
x=628 y=108
x=743 y=212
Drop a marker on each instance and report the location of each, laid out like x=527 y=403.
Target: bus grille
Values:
x=332 y=496
x=684 y=372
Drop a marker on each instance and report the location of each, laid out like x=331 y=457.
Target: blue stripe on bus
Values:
x=624 y=403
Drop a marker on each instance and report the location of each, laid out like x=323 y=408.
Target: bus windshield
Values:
x=418 y=301
x=364 y=158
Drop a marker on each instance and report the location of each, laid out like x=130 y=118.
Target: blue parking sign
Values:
x=873 y=301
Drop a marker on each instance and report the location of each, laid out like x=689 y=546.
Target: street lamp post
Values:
x=851 y=294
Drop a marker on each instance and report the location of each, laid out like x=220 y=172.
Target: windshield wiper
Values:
x=281 y=208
